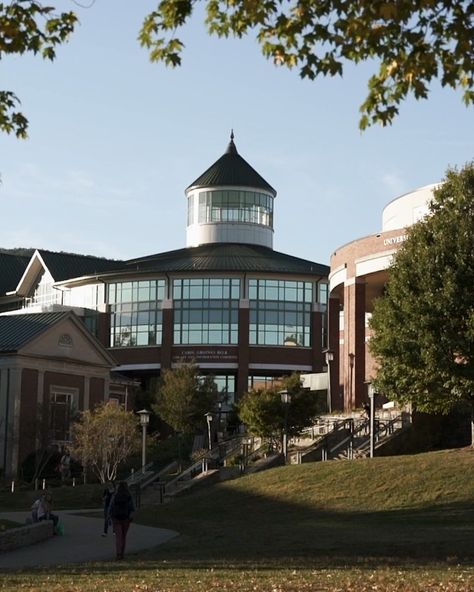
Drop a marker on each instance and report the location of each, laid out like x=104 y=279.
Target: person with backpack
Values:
x=121 y=509
x=106 y=498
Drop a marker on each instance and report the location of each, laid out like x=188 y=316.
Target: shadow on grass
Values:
x=229 y=530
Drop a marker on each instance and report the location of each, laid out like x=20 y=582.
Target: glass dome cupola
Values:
x=230 y=203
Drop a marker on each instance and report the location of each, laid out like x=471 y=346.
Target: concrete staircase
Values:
x=207 y=469
x=331 y=438
x=347 y=437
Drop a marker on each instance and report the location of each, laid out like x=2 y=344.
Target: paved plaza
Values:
x=81 y=542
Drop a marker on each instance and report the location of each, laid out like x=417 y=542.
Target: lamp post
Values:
x=144 y=421
x=348 y=398
x=208 y=417
x=219 y=421
x=371 y=393
x=286 y=400
x=246 y=445
x=329 y=358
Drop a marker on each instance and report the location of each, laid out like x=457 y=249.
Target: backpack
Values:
x=120 y=507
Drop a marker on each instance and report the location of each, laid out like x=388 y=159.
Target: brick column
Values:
x=317 y=358
x=333 y=344
x=103 y=328
x=167 y=334
x=354 y=343
x=244 y=352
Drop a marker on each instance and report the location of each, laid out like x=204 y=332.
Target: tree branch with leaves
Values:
x=413 y=42
x=26 y=26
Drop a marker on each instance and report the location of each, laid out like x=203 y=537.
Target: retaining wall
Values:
x=25 y=535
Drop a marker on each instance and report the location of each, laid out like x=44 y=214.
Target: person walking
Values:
x=106 y=497
x=121 y=509
x=65 y=465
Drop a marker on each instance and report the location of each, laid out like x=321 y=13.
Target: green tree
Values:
x=264 y=414
x=184 y=397
x=105 y=438
x=413 y=42
x=424 y=324
x=26 y=26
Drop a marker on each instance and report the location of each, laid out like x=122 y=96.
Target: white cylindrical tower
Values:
x=406 y=209
x=230 y=203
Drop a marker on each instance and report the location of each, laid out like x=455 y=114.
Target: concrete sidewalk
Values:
x=82 y=542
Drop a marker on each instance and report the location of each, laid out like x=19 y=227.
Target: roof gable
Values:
x=18 y=330
x=60 y=335
x=62 y=266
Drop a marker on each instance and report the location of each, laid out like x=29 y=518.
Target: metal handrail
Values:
x=139 y=475
x=384 y=428
x=200 y=466
x=221 y=451
x=336 y=425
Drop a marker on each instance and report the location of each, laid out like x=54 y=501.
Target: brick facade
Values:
x=358 y=275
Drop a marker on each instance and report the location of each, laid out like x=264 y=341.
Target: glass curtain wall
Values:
x=206 y=311
x=323 y=300
x=263 y=382
x=280 y=312
x=136 y=315
x=226 y=390
x=43 y=293
x=233 y=206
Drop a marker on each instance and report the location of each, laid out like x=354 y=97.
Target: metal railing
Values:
x=350 y=435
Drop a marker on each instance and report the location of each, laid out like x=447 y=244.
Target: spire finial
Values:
x=231 y=149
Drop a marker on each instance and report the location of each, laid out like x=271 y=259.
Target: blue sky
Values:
x=115 y=140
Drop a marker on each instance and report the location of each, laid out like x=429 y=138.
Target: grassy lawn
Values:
x=400 y=523
x=65 y=498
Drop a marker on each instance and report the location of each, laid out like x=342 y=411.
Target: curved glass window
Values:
x=280 y=312
x=206 y=311
x=235 y=206
x=190 y=210
x=136 y=317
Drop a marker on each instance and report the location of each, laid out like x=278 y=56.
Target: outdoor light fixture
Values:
x=286 y=400
x=371 y=392
x=144 y=421
x=329 y=358
x=208 y=417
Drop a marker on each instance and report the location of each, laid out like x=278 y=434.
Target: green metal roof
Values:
x=63 y=266
x=227 y=257
x=12 y=268
x=17 y=330
x=231 y=170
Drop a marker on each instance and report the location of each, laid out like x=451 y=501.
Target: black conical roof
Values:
x=231 y=169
